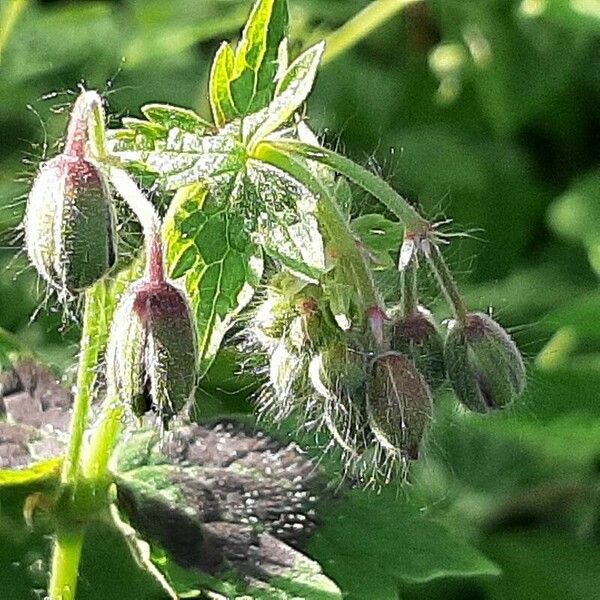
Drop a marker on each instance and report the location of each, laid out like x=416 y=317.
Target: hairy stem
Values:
x=361 y=25
x=446 y=281
x=103 y=440
x=410 y=294
x=330 y=217
x=88 y=358
x=407 y=214
x=68 y=543
x=147 y=216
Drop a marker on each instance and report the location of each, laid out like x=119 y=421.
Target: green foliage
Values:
x=396 y=544
x=490 y=104
x=208 y=245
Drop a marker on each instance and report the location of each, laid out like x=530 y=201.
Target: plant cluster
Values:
x=258 y=230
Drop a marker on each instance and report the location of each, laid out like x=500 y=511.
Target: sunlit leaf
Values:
x=208 y=245
x=292 y=90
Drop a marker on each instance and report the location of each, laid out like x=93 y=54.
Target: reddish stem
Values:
x=155 y=264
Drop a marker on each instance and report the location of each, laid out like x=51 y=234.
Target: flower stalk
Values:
x=331 y=218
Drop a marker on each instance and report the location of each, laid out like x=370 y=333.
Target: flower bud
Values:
x=417 y=337
x=151 y=356
x=69 y=219
x=399 y=404
x=483 y=363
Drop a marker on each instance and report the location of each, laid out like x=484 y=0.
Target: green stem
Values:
x=330 y=217
x=88 y=358
x=446 y=282
x=65 y=564
x=410 y=294
x=68 y=543
x=103 y=440
x=361 y=25
x=377 y=187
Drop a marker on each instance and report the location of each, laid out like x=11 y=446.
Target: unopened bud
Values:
x=483 y=363
x=399 y=404
x=151 y=355
x=417 y=337
x=69 y=220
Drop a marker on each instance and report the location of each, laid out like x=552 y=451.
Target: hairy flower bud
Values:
x=151 y=353
x=69 y=224
x=483 y=363
x=69 y=220
x=417 y=337
x=399 y=404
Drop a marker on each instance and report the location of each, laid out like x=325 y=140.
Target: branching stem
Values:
x=377 y=187
x=331 y=218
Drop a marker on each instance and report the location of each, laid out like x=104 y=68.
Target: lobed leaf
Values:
x=208 y=245
x=244 y=82
x=291 y=92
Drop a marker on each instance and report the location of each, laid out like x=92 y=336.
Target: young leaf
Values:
x=219 y=86
x=243 y=81
x=292 y=90
x=257 y=54
x=380 y=236
x=208 y=245
x=169 y=116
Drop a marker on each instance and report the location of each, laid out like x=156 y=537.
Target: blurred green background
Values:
x=485 y=111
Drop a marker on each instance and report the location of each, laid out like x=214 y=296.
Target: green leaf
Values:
x=169 y=116
x=380 y=236
x=217 y=520
x=374 y=542
x=208 y=245
x=42 y=473
x=243 y=82
x=292 y=90
x=221 y=74
x=286 y=224
x=558 y=566
x=256 y=55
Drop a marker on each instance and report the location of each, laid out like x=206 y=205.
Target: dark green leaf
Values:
x=226 y=505
x=370 y=541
